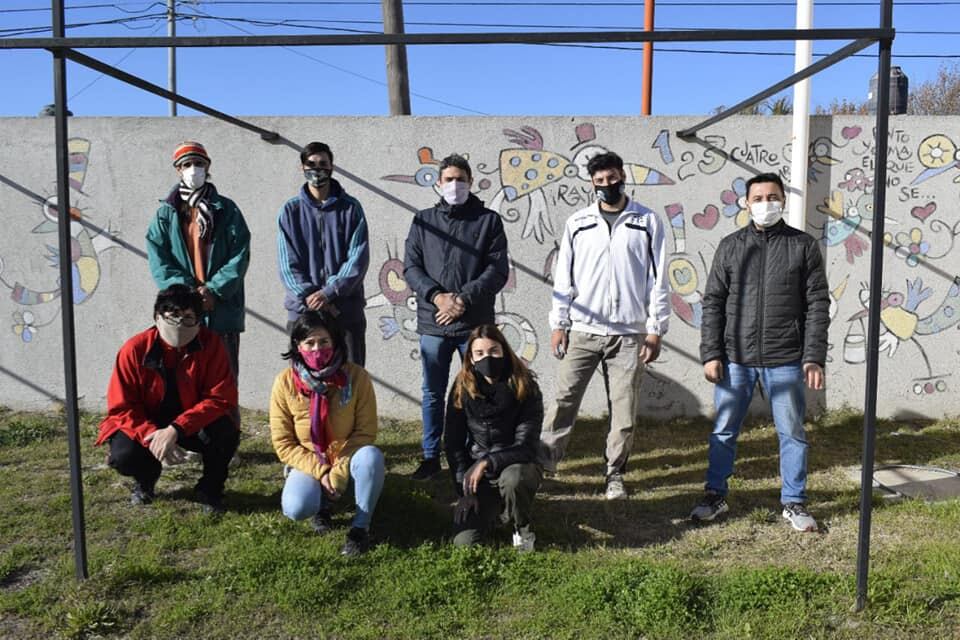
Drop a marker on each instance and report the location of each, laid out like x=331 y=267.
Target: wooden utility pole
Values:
x=647 y=90
x=398 y=81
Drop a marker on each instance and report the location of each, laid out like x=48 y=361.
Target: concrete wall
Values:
x=532 y=171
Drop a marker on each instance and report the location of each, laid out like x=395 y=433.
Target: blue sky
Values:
x=456 y=80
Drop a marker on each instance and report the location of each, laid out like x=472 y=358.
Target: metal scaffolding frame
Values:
x=64 y=48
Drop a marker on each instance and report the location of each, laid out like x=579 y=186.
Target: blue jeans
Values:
x=303 y=496
x=784 y=386
x=436 y=352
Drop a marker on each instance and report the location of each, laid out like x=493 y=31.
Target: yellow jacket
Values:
x=351 y=425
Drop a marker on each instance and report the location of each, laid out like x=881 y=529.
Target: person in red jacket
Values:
x=172 y=389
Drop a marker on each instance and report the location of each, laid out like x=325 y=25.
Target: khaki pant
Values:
x=622 y=368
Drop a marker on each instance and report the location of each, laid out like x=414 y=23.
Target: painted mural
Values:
x=34 y=297
x=533 y=173
x=535 y=183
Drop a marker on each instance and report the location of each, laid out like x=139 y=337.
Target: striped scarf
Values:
x=200 y=199
x=315 y=384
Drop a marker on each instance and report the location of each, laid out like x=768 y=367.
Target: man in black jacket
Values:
x=456 y=260
x=765 y=317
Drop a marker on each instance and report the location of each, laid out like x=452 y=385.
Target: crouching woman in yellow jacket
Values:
x=323 y=422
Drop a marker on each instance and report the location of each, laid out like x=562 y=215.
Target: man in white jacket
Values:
x=610 y=307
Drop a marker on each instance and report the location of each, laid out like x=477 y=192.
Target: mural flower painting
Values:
x=734 y=202
x=911 y=247
x=24 y=326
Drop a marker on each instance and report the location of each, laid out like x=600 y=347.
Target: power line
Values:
x=667 y=49
x=125 y=22
x=516 y=3
x=348 y=71
x=115 y=64
x=567 y=3
x=111 y=5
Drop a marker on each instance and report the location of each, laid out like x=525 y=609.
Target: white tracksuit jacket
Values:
x=612 y=281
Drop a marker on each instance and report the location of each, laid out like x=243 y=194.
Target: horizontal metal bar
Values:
x=140 y=83
x=716 y=35
x=806 y=72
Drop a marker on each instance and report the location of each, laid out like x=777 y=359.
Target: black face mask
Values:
x=610 y=194
x=317 y=178
x=490 y=367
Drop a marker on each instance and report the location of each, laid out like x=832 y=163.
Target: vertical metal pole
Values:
x=398 y=81
x=172 y=54
x=647 y=90
x=873 y=324
x=66 y=293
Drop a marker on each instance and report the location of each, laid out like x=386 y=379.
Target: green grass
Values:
x=633 y=569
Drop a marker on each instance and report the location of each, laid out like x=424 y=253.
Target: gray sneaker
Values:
x=712 y=505
x=615 y=489
x=798 y=517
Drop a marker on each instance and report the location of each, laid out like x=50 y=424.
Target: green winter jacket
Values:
x=227 y=259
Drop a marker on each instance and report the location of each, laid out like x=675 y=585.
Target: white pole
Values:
x=797 y=198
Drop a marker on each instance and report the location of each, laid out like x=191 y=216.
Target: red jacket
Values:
x=204 y=379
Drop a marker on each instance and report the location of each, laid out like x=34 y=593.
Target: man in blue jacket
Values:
x=322 y=250
x=456 y=261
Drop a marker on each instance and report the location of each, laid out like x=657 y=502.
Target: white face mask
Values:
x=766 y=213
x=194 y=177
x=176 y=335
x=455 y=192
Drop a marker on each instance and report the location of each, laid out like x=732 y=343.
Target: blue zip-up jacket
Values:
x=458 y=249
x=324 y=247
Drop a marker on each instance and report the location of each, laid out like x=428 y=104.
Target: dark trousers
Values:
x=510 y=496
x=216 y=444
x=356 y=338
x=232 y=342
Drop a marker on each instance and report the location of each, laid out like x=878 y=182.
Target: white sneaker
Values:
x=798 y=517
x=523 y=540
x=615 y=489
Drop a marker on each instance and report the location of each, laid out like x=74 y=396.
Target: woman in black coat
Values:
x=492 y=430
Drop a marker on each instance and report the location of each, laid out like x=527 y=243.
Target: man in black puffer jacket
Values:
x=456 y=260
x=765 y=317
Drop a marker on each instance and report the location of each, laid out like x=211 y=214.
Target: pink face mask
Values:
x=317 y=359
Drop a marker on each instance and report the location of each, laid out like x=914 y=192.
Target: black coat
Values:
x=494 y=426
x=456 y=249
x=767 y=300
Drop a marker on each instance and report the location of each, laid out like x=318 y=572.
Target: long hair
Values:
x=309 y=322
x=520 y=379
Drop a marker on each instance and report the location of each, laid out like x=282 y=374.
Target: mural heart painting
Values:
x=849 y=133
x=924 y=212
x=707 y=219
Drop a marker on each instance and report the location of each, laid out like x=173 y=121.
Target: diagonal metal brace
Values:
x=804 y=73
x=123 y=76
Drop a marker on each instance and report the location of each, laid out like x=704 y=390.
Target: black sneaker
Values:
x=140 y=495
x=358 y=541
x=213 y=508
x=209 y=505
x=709 y=508
x=322 y=523
x=428 y=468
